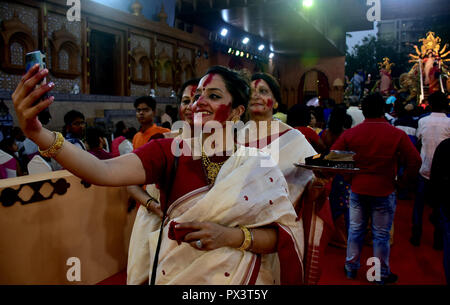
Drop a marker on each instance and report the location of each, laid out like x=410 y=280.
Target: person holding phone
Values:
x=243 y=227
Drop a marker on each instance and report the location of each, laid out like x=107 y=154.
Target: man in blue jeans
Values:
x=380 y=149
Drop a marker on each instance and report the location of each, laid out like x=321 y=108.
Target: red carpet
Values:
x=414 y=265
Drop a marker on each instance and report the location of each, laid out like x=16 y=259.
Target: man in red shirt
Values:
x=379 y=149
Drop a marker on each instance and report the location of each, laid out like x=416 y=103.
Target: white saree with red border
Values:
x=315 y=215
x=245 y=193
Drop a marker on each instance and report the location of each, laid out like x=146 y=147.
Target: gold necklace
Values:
x=212 y=168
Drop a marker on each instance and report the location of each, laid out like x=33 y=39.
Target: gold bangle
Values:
x=54 y=149
x=247 y=239
x=149 y=200
x=147 y=203
x=251 y=242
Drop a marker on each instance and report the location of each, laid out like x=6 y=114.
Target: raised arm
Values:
x=123 y=170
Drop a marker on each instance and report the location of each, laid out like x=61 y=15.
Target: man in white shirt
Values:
x=354 y=111
x=431 y=131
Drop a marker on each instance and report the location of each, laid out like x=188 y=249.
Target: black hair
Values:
x=372 y=106
x=93 y=135
x=191 y=82
x=6 y=145
x=273 y=85
x=148 y=100
x=338 y=120
x=354 y=100
x=399 y=106
x=70 y=116
x=120 y=126
x=438 y=101
x=329 y=103
x=348 y=121
x=129 y=134
x=298 y=115
x=17 y=134
x=237 y=85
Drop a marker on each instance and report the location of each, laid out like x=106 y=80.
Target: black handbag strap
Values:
x=167 y=192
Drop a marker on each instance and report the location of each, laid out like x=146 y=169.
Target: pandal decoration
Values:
x=430 y=50
x=430 y=44
x=386 y=65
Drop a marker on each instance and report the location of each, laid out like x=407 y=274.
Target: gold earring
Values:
x=275 y=106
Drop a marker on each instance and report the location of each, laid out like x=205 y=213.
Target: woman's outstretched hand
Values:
x=25 y=99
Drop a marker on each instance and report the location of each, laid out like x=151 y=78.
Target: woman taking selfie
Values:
x=230 y=219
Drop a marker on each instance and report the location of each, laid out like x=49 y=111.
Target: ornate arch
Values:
x=13 y=31
x=164 y=69
x=186 y=69
x=64 y=41
x=322 y=90
x=141 y=66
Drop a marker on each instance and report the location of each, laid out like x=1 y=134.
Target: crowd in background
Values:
x=321 y=121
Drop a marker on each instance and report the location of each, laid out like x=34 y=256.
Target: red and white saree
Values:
x=245 y=193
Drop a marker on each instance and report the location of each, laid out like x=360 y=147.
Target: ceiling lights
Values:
x=248 y=47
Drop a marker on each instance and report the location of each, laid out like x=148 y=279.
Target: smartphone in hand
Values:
x=32 y=58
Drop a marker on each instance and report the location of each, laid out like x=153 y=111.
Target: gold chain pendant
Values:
x=212 y=168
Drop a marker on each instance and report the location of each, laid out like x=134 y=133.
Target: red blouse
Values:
x=157 y=159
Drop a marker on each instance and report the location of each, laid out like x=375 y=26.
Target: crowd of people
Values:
x=20 y=156
x=219 y=216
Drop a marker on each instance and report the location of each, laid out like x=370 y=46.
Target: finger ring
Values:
x=199 y=244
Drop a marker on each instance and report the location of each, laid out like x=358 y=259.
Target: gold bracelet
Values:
x=149 y=200
x=54 y=149
x=247 y=239
x=251 y=242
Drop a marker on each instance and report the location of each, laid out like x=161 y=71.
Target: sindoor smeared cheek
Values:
x=222 y=113
x=270 y=103
x=208 y=80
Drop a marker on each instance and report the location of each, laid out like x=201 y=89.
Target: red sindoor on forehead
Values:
x=208 y=79
x=222 y=113
x=257 y=82
x=193 y=89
